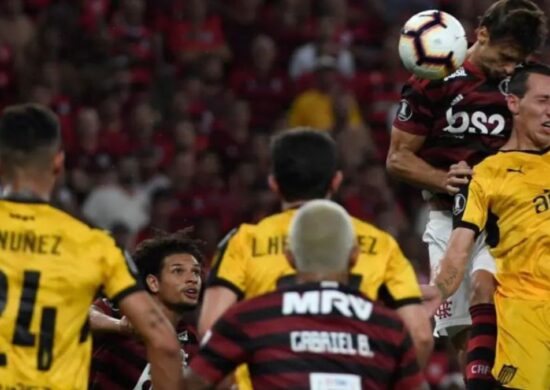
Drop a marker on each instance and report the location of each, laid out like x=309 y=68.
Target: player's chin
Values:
x=184 y=305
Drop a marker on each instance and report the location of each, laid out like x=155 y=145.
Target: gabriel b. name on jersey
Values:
x=30 y=242
x=327 y=302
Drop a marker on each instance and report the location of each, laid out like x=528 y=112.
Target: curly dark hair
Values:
x=151 y=253
x=519 y=21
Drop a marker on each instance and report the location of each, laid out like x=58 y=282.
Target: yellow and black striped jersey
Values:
x=51 y=268
x=509 y=197
x=251 y=262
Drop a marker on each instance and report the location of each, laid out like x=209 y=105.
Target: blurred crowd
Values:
x=167 y=106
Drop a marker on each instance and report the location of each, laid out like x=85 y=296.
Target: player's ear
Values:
x=273 y=185
x=354 y=256
x=482 y=35
x=513 y=103
x=58 y=162
x=152 y=283
x=336 y=182
x=290 y=258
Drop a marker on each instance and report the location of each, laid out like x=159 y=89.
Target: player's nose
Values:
x=192 y=278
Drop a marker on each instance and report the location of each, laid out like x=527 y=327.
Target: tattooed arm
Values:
x=163 y=350
x=451 y=270
x=454 y=263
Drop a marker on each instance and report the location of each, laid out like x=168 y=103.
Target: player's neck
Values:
x=286 y=205
x=520 y=141
x=174 y=316
x=472 y=55
x=310 y=277
x=292 y=205
x=28 y=187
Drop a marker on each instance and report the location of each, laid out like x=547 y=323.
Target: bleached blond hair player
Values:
x=319 y=305
x=322 y=238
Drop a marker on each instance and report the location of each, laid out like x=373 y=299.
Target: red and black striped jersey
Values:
x=463 y=116
x=309 y=336
x=120 y=362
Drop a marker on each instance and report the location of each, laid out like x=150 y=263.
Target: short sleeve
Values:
x=471 y=204
x=414 y=114
x=119 y=272
x=400 y=286
x=229 y=266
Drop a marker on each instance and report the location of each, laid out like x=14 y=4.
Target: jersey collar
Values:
x=23 y=197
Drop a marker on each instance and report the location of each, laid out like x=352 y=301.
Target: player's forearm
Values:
x=454 y=263
x=451 y=274
x=408 y=167
x=216 y=301
x=418 y=324
x=102 y=323
x=163 y=349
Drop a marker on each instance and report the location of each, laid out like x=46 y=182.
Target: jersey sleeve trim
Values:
x=468 y=225
x=127 y=291
x=405 y=301
x=385 y=296
x=216 y=281
x=222 y=247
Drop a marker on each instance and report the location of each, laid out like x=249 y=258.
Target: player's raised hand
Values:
x=458 y=175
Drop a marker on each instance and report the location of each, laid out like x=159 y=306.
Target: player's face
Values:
x=533 y=111
x=180 y=282
x=498 y=60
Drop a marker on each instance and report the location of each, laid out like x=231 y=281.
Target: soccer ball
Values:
x=432 y=44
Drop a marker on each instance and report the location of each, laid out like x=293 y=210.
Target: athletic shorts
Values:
x=523 y=344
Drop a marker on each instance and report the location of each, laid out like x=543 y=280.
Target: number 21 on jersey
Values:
x=22 y=335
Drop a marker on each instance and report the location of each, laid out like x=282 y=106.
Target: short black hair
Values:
x=26 y=132
x=151 y=253
x=304 y=162
x=519 y=21
x=518 y=82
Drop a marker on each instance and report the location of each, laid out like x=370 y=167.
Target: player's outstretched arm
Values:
x=163 y=350
x=103 y=323
x=403 y=163
x=217 y=299
x=418 y=324
x=452 y=268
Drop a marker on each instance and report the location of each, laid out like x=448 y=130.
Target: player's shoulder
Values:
x=363 y=228
x=271 y=225
x=50 y=214
x=78 y=227
x=497 y=163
